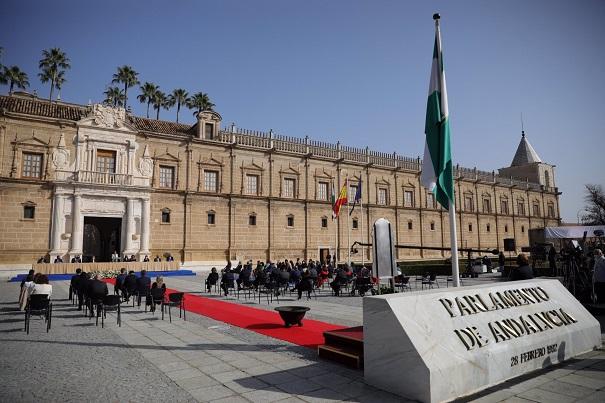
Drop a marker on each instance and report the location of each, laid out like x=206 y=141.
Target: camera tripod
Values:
x=574 y=279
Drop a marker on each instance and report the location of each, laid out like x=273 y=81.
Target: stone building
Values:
x=90 y=180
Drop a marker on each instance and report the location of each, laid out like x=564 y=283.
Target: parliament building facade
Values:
x=91 y=180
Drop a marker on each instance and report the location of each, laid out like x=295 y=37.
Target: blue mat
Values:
x=152 y=274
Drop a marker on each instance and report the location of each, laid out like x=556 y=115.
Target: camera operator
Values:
x=599 y=275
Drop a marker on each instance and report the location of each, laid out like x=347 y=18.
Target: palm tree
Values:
x=201 y=102
x=159 y=101
x=59 y=81
x=53 y=63
x=114 y=97
x=148 y=90
x=180 y=97
x=2 y=77
x=15 y=77
x=127 y=76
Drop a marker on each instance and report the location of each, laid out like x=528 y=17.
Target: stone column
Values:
x=145 y=213
x=57 y=227
x=128 y=249
x=77 y=234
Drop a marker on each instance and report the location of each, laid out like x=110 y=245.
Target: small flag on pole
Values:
x=357 y=197
x=342 y=200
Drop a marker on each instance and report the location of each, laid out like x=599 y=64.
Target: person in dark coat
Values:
x=212 y=279
x=340 y=279
x=501 y=260
x=552 y=260
x=73 y=284
x=143 y=286
x=130 y=285
x=227 y=281
x=244 y=276
x=305 y=284
x=97 y=288
x=523 y=271
x=119 y=285
x=82 y=288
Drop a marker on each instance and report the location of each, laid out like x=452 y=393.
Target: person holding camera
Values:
x=523 y=271
x=598 y=276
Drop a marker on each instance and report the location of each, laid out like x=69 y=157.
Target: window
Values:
x=252 y=219
x=252 y=184
x=506 y=228
x=211 y=181
x=166 y=177
x=355 y=223
x=352 y=192
x=324 y=222
x=503 y=206
x=408 y=198
x=468 y=203
x=211 y=218
x=322 y=191
x=521 y=207
x=382 y=196
x=106 y=161
x=410 y=225
x=32 y=165
x=547 y=179
x=536 y=211
x=29 y=212
x=209 y=131
x=523 y=228
x=166 y=216
x=488 y=228
x=470 y=228
x=551 y=210
x=432 y=225
x=487 y=206
x=289 y=187
x=430 y=200
x=290 y=221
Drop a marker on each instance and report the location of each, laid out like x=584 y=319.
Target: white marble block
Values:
x=446 y=343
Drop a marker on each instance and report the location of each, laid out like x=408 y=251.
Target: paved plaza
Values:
x=149 y=359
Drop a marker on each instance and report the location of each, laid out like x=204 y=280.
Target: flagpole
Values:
x=363 y=261
x=348 y=225
x=452 y=203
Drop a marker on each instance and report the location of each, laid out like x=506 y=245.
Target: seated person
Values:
x=154 y=295
x=227 y=281
x=143 y=285
x=305 y=284
x=41 y=286
x=119 y=285
x=97 y=288
x=244 y=277
x=146 y=259
x=523 y=271
x=340 y=280
x=212 y=279
x=130 y=285
x=159 y=283
x=157 y=258
x=82 y=288
x=73 y=284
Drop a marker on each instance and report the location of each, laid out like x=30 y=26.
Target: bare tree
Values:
x=595 y=205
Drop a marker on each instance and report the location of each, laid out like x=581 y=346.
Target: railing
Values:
x=271 y=140
x=105 y=178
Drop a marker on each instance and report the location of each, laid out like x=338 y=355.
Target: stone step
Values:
x=350 y=338
x=347 y=357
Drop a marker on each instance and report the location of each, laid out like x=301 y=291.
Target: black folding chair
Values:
x=111 y=303
x=157 y=298
x=38 y=304
x=176 y=299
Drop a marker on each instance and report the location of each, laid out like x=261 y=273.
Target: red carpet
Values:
x=257 y=320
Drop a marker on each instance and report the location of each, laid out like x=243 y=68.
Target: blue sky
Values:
x=349 y=70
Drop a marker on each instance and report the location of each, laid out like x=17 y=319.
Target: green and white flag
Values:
x=437 y=163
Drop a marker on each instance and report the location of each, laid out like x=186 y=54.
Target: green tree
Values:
x=114 y=97
x=200 y=102
x=59 y=81
x=54 y=63
x=148 y=91
x=159 y=101
x=178 y=97
x=15 y=78
x=595 y=206
x=2 y=78
x=127 y=76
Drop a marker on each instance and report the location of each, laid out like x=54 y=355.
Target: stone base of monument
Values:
x=443 y=344
x=344 y=346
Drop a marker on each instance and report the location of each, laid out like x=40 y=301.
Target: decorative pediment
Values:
x=107 y=117
x=168 y=156
x=211 y=161
x=289 y=171
x=408 y=184
x=382 y=181
x=322 y=173
x=32 y=141
x=253 y=166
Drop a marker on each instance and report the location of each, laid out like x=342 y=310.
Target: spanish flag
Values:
x=342 y=199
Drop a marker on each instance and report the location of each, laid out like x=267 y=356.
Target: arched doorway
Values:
x=101 y=238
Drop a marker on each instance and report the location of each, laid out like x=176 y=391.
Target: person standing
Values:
x=501 y=261
x=599 y=276
x=552 y=260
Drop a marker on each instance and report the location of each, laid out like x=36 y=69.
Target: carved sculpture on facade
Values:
x=146 y=163
x=60 y=156
x=109 y=117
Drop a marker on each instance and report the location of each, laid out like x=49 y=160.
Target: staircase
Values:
x=344 y=346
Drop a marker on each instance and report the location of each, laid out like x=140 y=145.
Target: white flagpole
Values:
x=362 y=213
x=335 y=221
x=454 y=244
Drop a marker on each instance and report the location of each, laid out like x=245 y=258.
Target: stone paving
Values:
x=201 y=359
